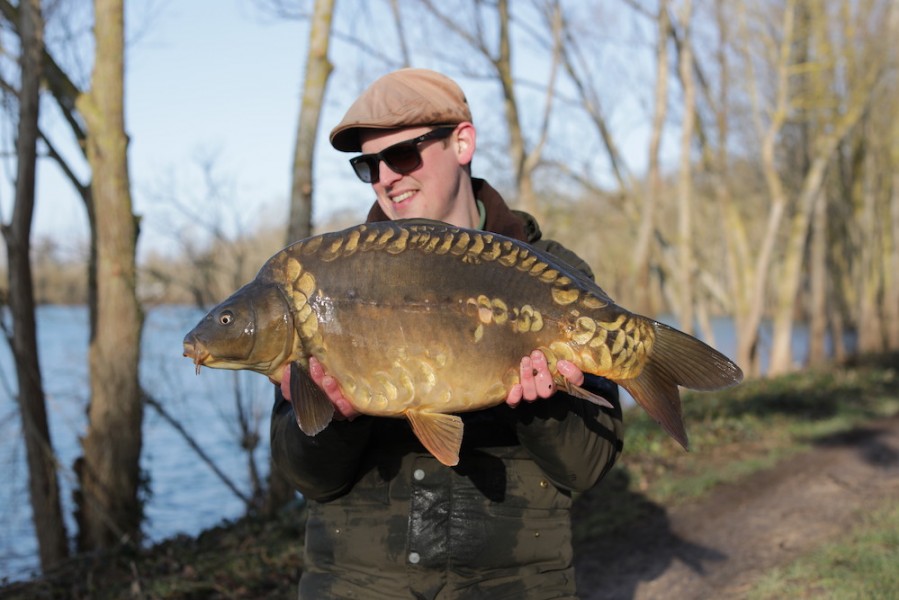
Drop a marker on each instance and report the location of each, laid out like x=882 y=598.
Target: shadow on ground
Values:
x=613 y=564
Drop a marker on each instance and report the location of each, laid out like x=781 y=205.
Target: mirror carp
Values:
x=422 y=320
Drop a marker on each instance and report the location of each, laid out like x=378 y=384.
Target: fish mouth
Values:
x=197 y=351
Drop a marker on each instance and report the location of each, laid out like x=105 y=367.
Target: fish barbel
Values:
x=422 y=320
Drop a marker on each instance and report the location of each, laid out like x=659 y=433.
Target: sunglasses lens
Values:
x=366 y=168
x=402 y=158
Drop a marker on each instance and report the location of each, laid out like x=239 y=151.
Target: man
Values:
x=386 y=520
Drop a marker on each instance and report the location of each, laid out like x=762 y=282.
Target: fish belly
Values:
x=406 y=357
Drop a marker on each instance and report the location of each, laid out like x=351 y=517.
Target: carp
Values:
x=422 y=320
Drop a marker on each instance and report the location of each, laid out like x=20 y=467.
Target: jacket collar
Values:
x=500 y=218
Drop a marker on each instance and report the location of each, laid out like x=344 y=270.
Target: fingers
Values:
x=514 y=396
x=285 y=383
x=570 y=372
x=536 y=380
x=332 y=390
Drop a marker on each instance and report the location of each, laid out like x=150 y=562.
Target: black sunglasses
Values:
x=402 y=158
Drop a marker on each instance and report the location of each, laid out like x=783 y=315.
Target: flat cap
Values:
x=403 y=98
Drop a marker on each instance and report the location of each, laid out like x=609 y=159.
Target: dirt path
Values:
x=717 y=547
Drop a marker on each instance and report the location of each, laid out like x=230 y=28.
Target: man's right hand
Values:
x=329 y=385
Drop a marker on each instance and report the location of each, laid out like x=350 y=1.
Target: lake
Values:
x=186 y=496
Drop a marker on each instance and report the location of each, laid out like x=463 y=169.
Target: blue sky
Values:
x=220 y=78
x=207 y=78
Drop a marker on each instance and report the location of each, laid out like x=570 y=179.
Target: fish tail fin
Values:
x=678 y=359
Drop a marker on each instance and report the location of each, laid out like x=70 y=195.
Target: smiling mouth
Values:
x=401 y=197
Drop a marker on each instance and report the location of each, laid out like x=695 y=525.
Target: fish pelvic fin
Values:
x=678 y=359
x=311 y=406
x=441 y=434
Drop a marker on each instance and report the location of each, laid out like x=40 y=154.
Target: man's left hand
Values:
x=536 y=381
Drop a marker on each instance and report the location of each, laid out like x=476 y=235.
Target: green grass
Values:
x=733 y=434
x=864 y=564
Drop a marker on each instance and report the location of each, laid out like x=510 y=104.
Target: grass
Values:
x=863 y=564
x=246 y=559
x=734 y=433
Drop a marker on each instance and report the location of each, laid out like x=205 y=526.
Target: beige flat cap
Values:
x=403 y=98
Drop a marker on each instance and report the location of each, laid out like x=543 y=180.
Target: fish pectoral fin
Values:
x=582 y=393
x=311 y=406
x=441 y=434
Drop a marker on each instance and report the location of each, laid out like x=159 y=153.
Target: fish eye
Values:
x=226 y=318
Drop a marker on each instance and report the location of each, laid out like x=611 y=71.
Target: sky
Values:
x=207 y=79
x=220 y=80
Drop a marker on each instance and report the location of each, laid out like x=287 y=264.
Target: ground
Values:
x=718 y=546
x=637 y=535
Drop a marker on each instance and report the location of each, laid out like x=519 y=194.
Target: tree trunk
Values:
x=749 y=327
x=640 y=263
x=870 y=281
x=108 y=508
x=790 y=278
x=891 y=255
x=43 y=484
x=891 y=270
x=860 y=86
x=817 y=348
x=685 y=267
x=318 y=70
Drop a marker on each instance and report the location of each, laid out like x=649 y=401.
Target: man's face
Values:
x=436 y=189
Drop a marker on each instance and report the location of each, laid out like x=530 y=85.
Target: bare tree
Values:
x=861 y=85
x=686 y=269
x=43 y=483
x=318 y=70
x=640 y=262
x=109 y=510
x=494 y=50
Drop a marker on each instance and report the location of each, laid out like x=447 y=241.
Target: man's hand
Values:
x=329 y=385
x=537 y=381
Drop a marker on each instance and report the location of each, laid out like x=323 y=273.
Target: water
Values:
x=186 y=496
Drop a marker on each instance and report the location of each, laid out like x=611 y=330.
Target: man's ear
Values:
x=465 y=142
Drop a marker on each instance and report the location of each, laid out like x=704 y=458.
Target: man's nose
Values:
x=386 y=175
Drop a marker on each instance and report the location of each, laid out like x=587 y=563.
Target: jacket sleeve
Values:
x=573 y=441
x=321 y=467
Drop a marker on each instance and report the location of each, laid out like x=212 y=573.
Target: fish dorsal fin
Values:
x=441 y=434
x=311 y=406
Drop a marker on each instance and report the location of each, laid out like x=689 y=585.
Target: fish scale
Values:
x=423 y=320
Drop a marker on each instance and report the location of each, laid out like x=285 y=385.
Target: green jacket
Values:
x=386 y=520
